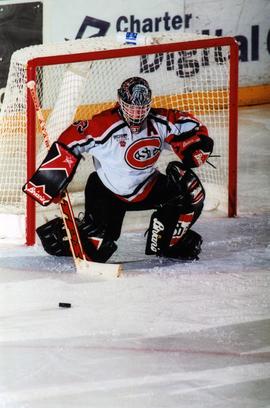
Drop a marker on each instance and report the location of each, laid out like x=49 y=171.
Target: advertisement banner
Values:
x=246 y=20
x=88 y=18
x=62 y=20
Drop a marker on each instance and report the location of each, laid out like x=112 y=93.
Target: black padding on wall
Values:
x=20 y=26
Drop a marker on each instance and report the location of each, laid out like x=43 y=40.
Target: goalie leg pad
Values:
x=189 y=191
x=169 y=233
x=96 y=244
x=162 y=242
x=55 y=242
x=189 y=247
x=54 y=238
x=160 y=231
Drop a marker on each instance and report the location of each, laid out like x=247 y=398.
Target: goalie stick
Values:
x=96 y=269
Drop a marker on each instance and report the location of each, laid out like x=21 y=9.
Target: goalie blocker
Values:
x=53 y=175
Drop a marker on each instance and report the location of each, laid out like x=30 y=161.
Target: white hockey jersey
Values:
x=125 y=162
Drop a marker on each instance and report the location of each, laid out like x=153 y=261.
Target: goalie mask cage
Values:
x=77 y=79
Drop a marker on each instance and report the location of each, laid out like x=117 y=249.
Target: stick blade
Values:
x=97 y=270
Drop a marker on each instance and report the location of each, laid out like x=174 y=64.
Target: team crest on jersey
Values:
x=143 y=153
x=81 y=125
x=121 y=139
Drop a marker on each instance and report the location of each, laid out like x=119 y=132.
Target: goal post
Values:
x=80 y=78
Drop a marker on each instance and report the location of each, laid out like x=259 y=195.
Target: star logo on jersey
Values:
x=61 y=160
x=37 y=192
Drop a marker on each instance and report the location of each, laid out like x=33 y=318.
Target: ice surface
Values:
x=166 y=335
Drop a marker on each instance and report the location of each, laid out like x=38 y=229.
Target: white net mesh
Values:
x=196 y=80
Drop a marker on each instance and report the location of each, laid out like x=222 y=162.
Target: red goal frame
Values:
x=33 y=64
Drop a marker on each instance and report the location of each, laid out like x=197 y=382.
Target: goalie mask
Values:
x=135 y=99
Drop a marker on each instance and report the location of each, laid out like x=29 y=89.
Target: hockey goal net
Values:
x=77 y=79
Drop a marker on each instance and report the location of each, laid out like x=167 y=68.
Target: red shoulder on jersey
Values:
x=103 y=121
x=97 y=127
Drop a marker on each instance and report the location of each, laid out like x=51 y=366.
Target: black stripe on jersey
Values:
x=115 y=129
x=73 y=147
x=187 y=120
x=91 y=139
x=157 y=119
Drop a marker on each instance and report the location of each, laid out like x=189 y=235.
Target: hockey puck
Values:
x=62 y=304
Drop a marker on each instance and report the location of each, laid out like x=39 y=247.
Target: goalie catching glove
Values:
x=193 y=147
x=53 y=175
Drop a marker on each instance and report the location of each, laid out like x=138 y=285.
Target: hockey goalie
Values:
x=125 y=143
